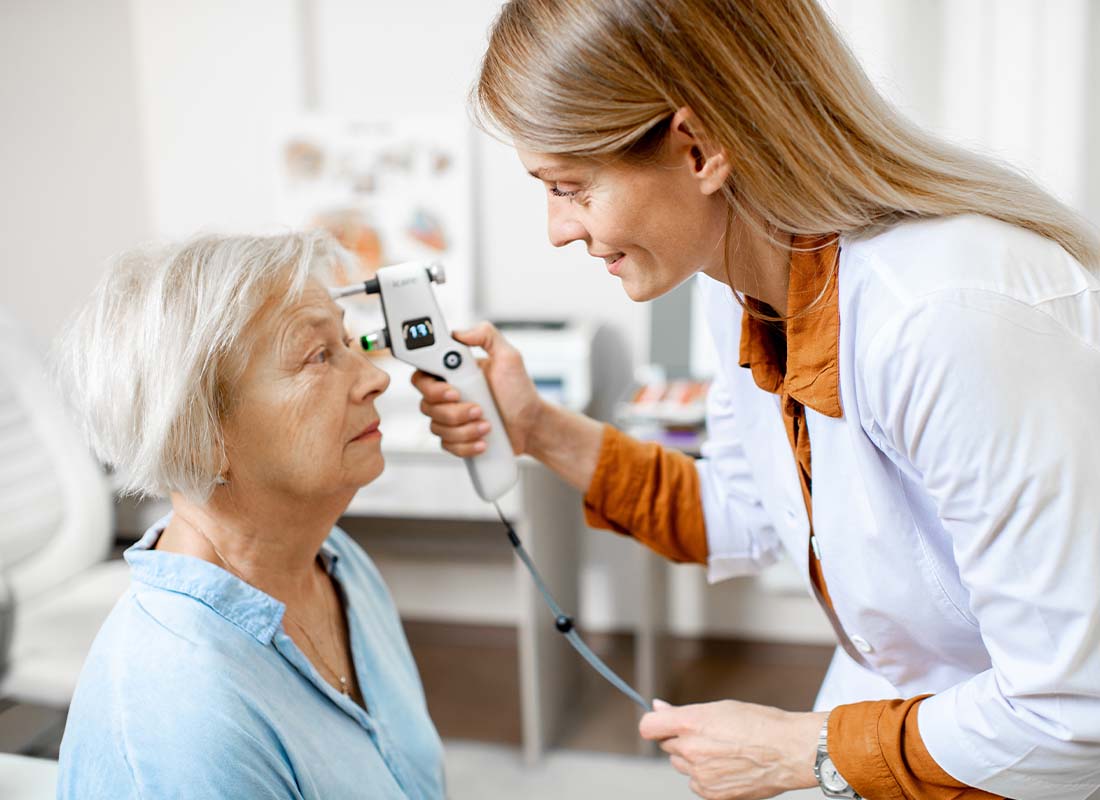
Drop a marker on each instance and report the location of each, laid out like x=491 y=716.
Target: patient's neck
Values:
x=271 y=542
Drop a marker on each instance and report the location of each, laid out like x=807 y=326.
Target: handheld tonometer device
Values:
x=417 y=334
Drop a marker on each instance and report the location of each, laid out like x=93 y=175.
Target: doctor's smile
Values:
x=886 y=376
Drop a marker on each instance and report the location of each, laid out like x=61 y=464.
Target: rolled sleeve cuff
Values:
x=641 y=490
x=856 y=753
x=600 y=502
x=877 y=747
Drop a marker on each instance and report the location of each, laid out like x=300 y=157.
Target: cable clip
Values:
x=564 y=623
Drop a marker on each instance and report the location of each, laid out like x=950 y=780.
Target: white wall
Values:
x=1016 y=79
x=124 y=119
x=72 y=190
x=214 y=80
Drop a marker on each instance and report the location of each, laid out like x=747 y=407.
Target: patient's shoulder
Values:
x=162 y=653
x=161 y=693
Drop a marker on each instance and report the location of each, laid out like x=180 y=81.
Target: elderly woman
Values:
x=257 y=652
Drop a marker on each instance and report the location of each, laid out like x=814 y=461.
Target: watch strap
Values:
x=822 y=756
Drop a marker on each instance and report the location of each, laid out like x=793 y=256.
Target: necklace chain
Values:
x=345 y=688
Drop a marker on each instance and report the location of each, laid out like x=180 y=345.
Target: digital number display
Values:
x=418 y=333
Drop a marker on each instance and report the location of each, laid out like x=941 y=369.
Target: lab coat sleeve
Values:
x=741 y=538
x=992 y=405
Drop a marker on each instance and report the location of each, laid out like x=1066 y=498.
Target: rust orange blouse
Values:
x=653 y=495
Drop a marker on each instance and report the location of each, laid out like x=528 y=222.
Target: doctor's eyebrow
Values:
x=544 y=173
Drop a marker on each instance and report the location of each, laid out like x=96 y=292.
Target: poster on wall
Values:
x=390 y=191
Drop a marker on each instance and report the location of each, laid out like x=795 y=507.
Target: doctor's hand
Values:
x=736 y=751
x=460 y=425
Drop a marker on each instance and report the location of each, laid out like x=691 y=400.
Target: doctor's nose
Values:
x=563 y=228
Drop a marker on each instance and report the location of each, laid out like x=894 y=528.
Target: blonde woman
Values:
x=907 y=398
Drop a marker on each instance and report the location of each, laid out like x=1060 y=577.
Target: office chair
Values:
x=56 y=530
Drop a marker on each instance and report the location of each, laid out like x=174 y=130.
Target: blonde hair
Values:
x=150 y=362
x=814 y=148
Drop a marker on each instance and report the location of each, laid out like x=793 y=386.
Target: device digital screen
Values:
x=418 y=333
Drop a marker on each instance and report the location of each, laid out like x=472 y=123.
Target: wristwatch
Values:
x=831 y=782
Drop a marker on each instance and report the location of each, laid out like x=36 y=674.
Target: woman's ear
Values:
x=708 y=165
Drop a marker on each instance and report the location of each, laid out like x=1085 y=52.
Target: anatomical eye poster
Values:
x=390 y=191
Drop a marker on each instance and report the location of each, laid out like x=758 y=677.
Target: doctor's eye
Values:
x=554 y=190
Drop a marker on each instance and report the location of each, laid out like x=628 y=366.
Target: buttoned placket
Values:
x=769 y=359
x=293 y=654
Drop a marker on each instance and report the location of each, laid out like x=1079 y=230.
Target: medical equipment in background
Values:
x=416 y=333
x=557 y=355
x=582 y=366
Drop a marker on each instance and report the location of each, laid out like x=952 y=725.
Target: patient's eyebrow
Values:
x=309 y=320
x=316 y=318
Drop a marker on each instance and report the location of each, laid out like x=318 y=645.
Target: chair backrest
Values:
x=55 y=503
x=7 y=622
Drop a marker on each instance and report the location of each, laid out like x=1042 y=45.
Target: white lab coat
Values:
x=956 y=503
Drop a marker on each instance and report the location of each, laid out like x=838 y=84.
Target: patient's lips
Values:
x=370 y=432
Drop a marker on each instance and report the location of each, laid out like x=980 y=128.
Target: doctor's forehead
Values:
x=549 y=166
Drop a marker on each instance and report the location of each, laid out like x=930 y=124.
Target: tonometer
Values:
x=416 y=333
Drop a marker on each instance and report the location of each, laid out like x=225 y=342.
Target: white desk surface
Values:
x=23 y=778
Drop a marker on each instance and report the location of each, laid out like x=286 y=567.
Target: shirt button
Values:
x=862 y=645
x=792 y=515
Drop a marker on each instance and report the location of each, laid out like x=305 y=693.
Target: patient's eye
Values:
x=320 y=357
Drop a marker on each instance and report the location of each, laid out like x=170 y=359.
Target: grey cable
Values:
x=564 y=622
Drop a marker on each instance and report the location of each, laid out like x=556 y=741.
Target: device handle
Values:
x=495 y=471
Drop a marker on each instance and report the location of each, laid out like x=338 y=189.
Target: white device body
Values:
x=418 y=335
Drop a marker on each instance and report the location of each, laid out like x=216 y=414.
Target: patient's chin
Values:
x=369 y=471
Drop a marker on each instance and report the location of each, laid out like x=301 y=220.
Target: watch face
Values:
x=830 y=778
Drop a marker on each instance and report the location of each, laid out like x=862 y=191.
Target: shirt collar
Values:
x=251 y=610
x=804 y=364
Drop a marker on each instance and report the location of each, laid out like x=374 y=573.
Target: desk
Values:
x=23 y=778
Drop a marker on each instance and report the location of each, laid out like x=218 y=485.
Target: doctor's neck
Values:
x=757 y=264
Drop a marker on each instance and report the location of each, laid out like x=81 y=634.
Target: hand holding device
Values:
x=518 y=401
x=417 y=334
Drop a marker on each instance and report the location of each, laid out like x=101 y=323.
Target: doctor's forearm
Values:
x=567 y=443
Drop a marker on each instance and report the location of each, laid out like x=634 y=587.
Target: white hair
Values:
x=150 y=362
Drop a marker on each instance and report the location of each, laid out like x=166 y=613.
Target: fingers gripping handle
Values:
x=495 y=471
x=417 y=334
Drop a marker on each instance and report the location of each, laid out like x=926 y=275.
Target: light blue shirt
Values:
x=193 y=689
